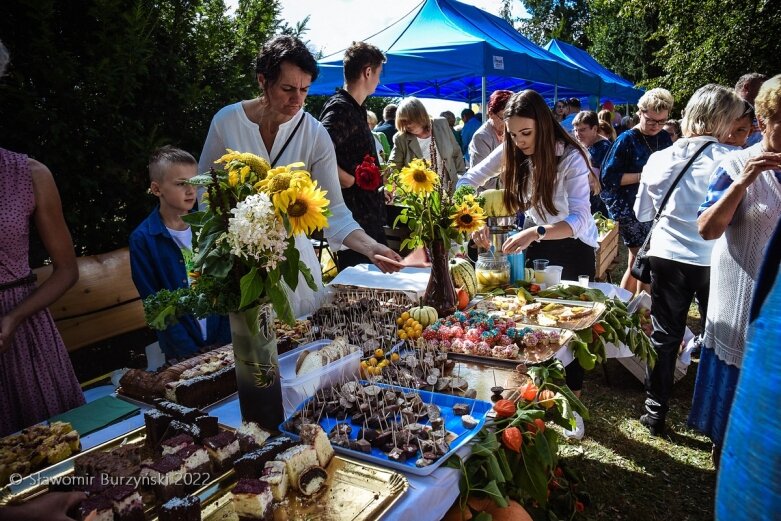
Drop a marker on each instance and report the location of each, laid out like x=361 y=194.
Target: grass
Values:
x=628 y=473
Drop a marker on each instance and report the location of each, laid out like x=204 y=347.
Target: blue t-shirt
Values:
x=598 y=151
x=629 y=154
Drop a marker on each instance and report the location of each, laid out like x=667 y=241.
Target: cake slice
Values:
x=275 y=474
x=251 y=436
x=196 y=463
x=167 y=475
x=252 y=500
x=96 y=508
x=298 y=459
x=223 y=450
x=157 y=423
x=314 y=435
x=181 y=509
x=126 y=502
x=252 y=464
x=312 y=481
x=178 y=442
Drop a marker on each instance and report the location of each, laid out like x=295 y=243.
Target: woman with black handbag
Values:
x=673 y=184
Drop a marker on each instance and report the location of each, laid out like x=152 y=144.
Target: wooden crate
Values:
x=607 y=252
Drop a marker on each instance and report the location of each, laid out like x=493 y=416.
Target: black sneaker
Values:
x=654 y=426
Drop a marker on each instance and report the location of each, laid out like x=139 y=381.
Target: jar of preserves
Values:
x=492 y=271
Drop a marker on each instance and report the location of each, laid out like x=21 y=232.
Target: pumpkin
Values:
x=513 y=512
x=463 y=274
x=462 y=297
x=426 y=315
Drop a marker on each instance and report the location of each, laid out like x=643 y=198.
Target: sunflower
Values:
x=468 y=217
x=254 y=163
x=418 y=178
x=307 y=210
x=282 y=185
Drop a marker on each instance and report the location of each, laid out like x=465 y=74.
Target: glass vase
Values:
x=257 y=367
x=440 y=293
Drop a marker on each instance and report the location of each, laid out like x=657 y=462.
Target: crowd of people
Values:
x=706 y=188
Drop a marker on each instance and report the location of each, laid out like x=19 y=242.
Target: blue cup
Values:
x=517 y=265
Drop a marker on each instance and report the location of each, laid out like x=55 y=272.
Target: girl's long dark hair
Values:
x=535 y=174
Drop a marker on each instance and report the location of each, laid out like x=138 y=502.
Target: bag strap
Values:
x=658 y=216
x=289 y=139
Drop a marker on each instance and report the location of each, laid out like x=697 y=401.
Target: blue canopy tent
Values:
x=614 y=87
x=449 y=50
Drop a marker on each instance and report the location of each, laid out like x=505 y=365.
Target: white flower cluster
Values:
x=254 y=232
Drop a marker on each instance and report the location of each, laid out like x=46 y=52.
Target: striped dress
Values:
x=36 y=375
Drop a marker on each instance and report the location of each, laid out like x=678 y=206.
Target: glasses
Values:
x=653 y=121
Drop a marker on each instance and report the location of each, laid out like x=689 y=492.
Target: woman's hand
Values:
x=481 y=238
x=49 y=507
x=8 y=325
x=386 y=259
x=757 y=165
x=520 y=241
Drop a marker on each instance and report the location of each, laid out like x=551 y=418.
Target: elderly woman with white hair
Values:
x=741 y=210
x=679 y=257
x=621 y=169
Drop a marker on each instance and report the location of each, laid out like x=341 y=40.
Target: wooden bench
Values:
x=104 y=302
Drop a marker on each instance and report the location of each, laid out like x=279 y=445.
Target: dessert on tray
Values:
x=35 y=448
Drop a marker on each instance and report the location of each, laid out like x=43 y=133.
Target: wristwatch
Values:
x=540 y=233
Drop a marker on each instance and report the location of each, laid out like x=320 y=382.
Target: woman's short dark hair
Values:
x=284 y=49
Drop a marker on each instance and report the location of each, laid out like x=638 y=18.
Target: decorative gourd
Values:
x=462 y=297
x=463 y=274
x=426 y=315
x=494 y=203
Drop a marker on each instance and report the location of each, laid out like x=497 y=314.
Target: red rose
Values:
x=367 y=174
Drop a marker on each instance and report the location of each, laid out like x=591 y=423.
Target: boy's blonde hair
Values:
x=165 y=156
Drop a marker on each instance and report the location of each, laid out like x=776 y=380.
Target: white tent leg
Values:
x=483 y=107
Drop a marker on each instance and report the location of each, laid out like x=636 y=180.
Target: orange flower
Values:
x=512 y=439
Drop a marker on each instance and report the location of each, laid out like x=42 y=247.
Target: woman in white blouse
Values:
x=275 y=126
x=545 y=173
x=680 y=258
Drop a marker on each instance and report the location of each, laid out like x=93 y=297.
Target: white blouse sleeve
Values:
x=324 y=170
x=213 y=147
x=575 y=171
x=484 y=171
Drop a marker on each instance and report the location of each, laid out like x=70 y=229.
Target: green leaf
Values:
x=543 y=450
x=279 y=301
x=251 y=286
x=291 y=265
x=494 y=470
x=491 y=489
x=533 y=479
x=200 y=180
x=218 y=265
x=310 y=280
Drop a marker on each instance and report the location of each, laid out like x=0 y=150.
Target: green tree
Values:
x=95 y=85
x=565 y=20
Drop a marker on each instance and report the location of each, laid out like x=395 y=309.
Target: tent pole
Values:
x=483 y=108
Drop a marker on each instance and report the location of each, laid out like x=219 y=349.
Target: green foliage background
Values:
x=680 y=45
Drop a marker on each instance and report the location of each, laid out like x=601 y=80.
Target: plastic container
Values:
x=553 y=275
x=296 y=389
x=517 y=263
x=492 y=271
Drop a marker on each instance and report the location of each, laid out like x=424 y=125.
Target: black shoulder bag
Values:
x=641 y=268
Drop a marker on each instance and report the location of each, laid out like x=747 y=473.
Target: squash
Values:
x=463 y=274
x=426 y=315
x=494 y=203
x=462 y=297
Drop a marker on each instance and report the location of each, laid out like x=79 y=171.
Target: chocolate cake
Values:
x=202 y=390
x=251 y=436
x=126 y=502
x=251 y=465
x=252 y=500
x=157 y=423
x=223 y=450
x=174 y=444
x=181 y=509
x=96 y=508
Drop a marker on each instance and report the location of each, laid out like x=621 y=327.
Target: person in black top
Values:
x=344 y=116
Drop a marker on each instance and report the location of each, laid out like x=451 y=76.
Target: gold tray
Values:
x=598 y=308
x=355 y=491
x=565 y=336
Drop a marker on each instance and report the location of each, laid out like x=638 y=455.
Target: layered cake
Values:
x=223 y=450
x=314 y=435
x=275 y=474
x=181 y=509
x=175 y=444
x=196 y=462
x=252 y=500
x=251 y=436
x=203 y=389
x=298 y=459
x=166 y=474
x=96 y=508
x=121 y=462
x=252 y=464
x=126 y=502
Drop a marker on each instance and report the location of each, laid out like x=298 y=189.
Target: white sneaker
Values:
x=579 y=431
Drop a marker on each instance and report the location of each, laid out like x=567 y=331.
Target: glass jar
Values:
x=492 y=271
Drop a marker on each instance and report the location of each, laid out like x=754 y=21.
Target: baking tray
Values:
x=565 y=336
x=142 y=403
x=457 y=437
x=60 y=476
x=356 y=491
x=575 y=325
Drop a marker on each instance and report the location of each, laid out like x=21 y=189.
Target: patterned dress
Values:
x=36 y=376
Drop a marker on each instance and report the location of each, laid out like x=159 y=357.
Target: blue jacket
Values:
x=156 y=263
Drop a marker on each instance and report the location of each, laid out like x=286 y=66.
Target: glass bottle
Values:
x=492 y=271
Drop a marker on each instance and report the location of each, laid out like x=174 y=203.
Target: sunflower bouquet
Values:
x=430 y=212
x=244 y=241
